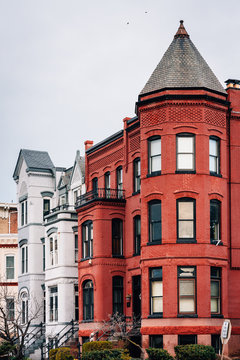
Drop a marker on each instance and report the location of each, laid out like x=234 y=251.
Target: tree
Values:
x=119 y=328
x=13 y=327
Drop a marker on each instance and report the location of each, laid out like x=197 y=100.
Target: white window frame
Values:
x=181 y=153
x=53 y=303
x=23 y=212
x=53 y=250
x=24 y=259
x=9 y=268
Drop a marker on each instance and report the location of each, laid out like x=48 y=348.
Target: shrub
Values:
x=64 y=354
x=194 y=352
x=158 y=354
x=52 y=354
x=107 y=354
x=96 y=346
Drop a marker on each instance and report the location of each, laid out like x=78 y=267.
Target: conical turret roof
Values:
x=182 y=66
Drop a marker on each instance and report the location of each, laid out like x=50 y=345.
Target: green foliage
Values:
x=64 y=354
x=107 y=354
x=195 y=352
x=52 y=354
x=96 y=346
x=6 y=348
x=158 y=354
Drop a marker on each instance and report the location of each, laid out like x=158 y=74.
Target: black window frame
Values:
x=214 y=203
x=216 y=277
x=76 y=302
x=184 y=337
x=187 y=240
x=117 y=237
x=155 y=340
x=88 y=225
x=155 y=278
x=95 y=185
x=151 y=222
x=119 y=181
x=194 y=296
x=88 y=306
x=46 y=207
x=137 y=235
x=150 y=156
x=107 y=184
x=117 y=295
x=217 y=157
x=136 y=176
x=181 y=170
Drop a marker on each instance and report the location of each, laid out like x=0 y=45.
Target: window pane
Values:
x=155 y=147
x=156 y=231
x=156 y=163
x=155 y=212
x=186 y=229
x=185 y=144
x=10 y=261
x=157 y=288
x=213 y=147
x=215 y=288
x=186 y=287
x=213 y=163
x=185 y=161
x=157 y=304
x=186 y=305
x=185 y=210
x=214 y=305
x=156 y=273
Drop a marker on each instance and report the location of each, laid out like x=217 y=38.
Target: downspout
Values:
x=230 y=187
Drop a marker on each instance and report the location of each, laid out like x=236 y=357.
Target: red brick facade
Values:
x=166 y=114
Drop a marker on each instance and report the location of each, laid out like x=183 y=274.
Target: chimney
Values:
x=232 y=83
x=233 y=90
x=88 y=144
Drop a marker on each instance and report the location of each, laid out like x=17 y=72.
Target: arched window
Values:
x=88 y=300
x=87 y=239
x=117 y=283
x=24 y=306
x=185 y=152
x=155 y=221
x=117 y=237
x=154 y=155
x=137 y=235
x=215 y=221
x=186 y=220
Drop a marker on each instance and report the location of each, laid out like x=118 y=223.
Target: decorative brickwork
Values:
x=215 y=117
x=107 y=160
x=135 y=143
x=182 y=113
x=156 y=115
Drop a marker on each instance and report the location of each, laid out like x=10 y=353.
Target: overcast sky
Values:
x=71 y=70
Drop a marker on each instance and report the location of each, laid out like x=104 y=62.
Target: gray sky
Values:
x=71 y=70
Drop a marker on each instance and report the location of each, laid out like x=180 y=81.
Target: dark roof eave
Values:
x=105 y=142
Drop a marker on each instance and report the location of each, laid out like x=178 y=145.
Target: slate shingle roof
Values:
x=182 y=66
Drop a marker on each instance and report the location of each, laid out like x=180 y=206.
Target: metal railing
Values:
x=101 y=194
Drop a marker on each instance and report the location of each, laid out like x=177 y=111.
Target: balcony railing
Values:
x=116 y=195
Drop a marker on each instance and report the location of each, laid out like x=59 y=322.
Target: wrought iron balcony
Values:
x=111 y=195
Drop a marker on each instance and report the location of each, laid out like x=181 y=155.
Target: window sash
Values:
x=186 y=219
x=117 y=237
x=215 y=218
x=214 y=155
x=215 y=296
x=88 y=301
x=154 y=155
x=87 y=240
x=185 y=153
x=137 y=175
x=156 y=296
x=187 y=296
x=137 y=235
x=155 y=222
x=10 y=267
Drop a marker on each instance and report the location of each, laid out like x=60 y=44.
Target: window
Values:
x=24 y=212
x=95 y=185
x=186 y=290
x=117 y=237
x=88 y=300
x=9 y=267
x=215 y=221
x=119 y=182
x=154 y=155
x=44 y=257
x=186 y=220
x=107 y=184
x=46 y=207
x=87 y=239
x=214 y=155
x=117 y=286
x=53 y=303
x=10 y=309
x=76 y=302
x=137 y=175
x=53 y=242
x=185 y=152
x=187 y=339
x=156 y=341
x=215 y=290
x=63 y=199
x=76 y=193
x=76 y=248
x=156 y=292
x=24 y=307
x=24 y=255
x=216 y=343
x=155 y=221
x=137 y=235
